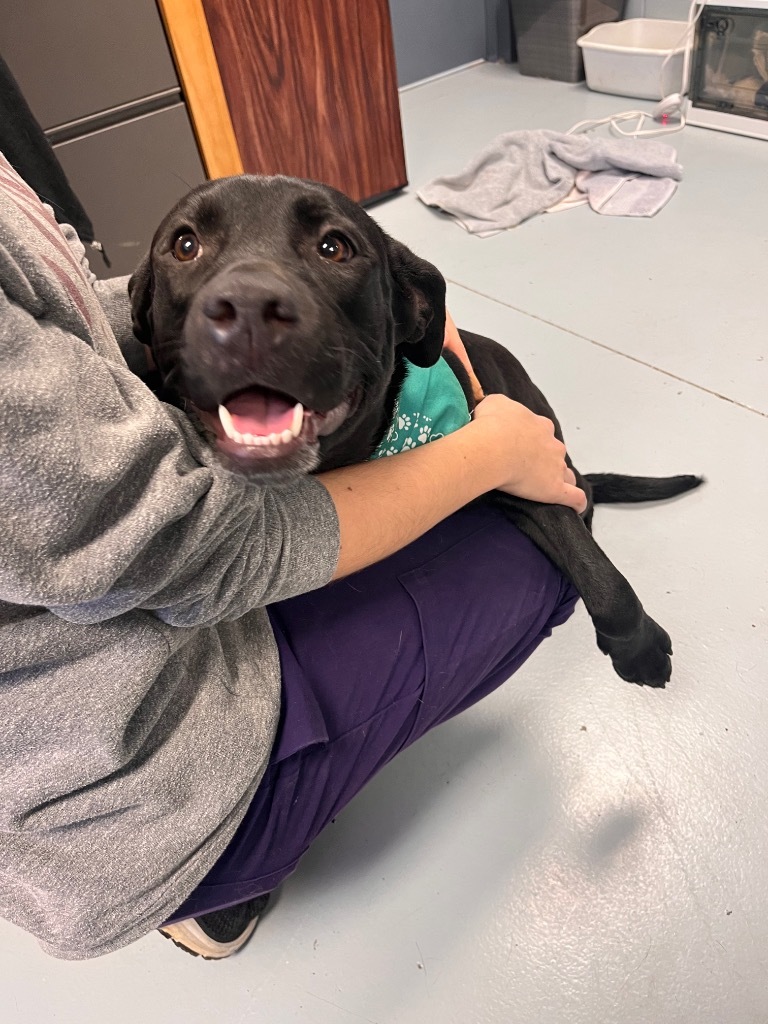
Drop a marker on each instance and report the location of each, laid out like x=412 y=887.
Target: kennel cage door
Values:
x=729 y=69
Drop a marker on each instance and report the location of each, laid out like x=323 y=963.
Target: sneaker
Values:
x=220 y=934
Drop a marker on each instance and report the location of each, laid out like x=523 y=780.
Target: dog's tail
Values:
x=610 y=487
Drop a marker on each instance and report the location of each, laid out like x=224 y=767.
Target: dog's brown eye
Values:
x=186 y=246
x=336 y=248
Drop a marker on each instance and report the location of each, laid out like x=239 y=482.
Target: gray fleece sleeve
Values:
x=111 y=500
x=113 y=296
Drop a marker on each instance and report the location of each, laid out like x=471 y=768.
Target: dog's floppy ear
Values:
x=141 y=291
x=418 y=304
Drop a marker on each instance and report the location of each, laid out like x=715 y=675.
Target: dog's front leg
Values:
x=638 y=647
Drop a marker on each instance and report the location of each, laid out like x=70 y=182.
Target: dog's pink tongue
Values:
x=259 y=413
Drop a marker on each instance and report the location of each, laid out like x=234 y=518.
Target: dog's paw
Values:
x=644 y=657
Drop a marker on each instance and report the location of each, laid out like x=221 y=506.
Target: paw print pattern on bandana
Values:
x=430 y=405
x=406 y=432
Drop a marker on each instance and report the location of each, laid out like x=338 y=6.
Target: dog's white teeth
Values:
x=298 y=420
x=229 y=428
x=257 y=440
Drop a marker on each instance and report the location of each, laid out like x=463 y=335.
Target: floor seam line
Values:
x=608 y=348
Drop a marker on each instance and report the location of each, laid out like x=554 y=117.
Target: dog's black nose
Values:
x=220 y=310
x=264 y=310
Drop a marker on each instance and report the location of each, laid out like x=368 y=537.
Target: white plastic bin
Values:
x=628 y=58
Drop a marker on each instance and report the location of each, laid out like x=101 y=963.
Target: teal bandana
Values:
x=431 y=404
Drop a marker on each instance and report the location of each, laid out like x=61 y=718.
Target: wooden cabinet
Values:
x=300 y=87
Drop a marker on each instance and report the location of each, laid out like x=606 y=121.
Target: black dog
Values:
x=283 y=314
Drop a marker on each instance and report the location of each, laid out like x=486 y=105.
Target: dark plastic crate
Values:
x=547 y=30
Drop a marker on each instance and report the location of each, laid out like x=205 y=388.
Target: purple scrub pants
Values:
x=371 y=663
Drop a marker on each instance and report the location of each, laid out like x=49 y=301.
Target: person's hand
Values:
x=533 y=460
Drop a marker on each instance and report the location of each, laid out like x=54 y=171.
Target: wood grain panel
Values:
x=187 y=32
x=312 y=90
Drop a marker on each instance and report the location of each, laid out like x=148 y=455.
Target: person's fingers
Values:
x=575 y=498
x=570 y=476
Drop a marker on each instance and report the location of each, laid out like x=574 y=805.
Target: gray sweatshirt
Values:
x=139 y=678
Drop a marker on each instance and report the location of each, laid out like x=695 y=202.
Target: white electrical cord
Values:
x=669 y=105
x=629 y=115
x=686 y=39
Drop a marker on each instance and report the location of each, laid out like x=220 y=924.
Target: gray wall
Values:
x=435 y=35
x=676 y=10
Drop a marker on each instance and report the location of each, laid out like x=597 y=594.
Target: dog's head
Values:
x=276 y=307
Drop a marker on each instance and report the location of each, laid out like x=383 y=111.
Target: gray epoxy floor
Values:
x=575 y=848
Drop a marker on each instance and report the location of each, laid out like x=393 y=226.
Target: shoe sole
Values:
x=189 y=936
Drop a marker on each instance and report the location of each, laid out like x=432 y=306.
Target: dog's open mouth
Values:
x=259 y=424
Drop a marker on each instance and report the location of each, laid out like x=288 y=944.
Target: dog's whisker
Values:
x=364 y=358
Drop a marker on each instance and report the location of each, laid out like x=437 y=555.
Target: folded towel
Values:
x=527 y=172
x=617 y=194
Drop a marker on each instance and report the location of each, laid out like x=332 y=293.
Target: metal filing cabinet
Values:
x=99 y=78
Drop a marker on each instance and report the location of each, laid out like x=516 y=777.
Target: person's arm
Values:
x=386 y=504
x=111 y=501
x=112 y=294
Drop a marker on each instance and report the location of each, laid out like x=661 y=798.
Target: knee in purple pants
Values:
x=371 y=663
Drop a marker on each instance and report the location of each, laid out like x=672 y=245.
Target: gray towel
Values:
x=618 y=194
x=523 y=173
